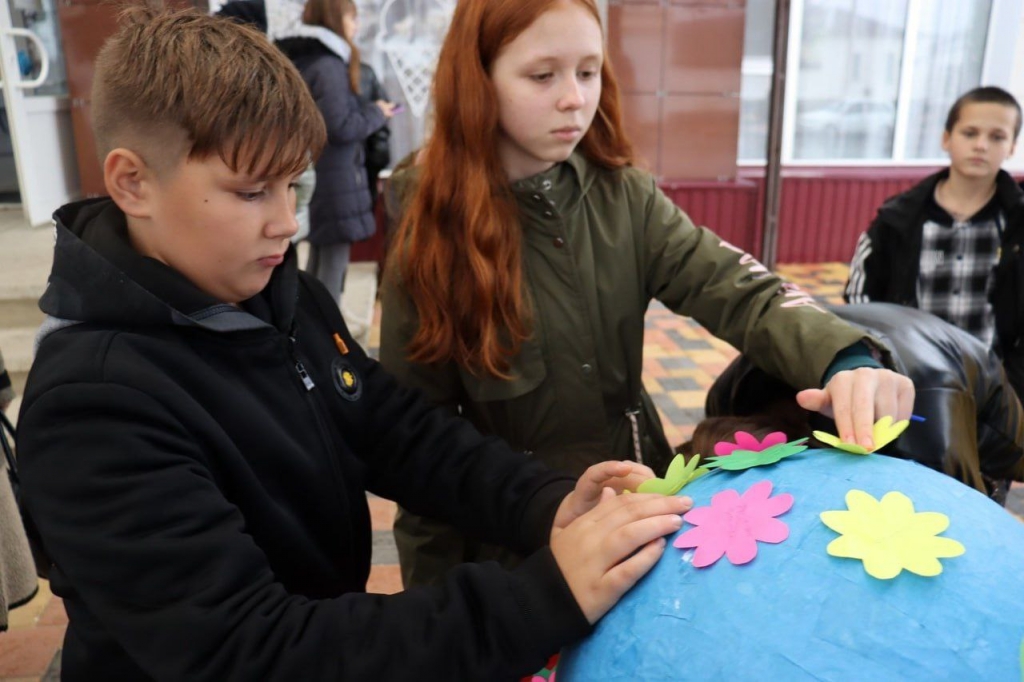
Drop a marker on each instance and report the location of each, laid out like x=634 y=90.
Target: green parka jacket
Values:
x=598 y=246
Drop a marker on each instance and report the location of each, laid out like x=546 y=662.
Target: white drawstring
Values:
x=631 y=415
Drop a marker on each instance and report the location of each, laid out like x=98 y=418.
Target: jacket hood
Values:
x=904 y=207
x=313 y=40
x=98 y=277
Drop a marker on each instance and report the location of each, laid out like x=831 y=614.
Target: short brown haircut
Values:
x=987 y=94
x=169 y=83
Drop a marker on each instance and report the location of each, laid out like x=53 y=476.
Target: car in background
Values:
x=849 y=117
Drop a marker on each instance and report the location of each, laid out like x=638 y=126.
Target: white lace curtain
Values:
x=400 y=39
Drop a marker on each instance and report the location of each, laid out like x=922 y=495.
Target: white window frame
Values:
x=997 y=66
x=1002 y=50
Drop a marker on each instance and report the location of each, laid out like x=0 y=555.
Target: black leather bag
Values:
x=378 y=150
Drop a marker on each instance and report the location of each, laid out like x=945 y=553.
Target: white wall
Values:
x=1016 y=88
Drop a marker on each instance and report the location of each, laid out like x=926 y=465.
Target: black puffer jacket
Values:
x=341 y=209
x=974 y=424
x=197 y=473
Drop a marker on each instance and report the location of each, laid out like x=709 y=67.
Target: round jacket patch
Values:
x=346 y=380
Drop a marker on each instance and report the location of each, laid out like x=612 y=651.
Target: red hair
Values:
x=460 y=238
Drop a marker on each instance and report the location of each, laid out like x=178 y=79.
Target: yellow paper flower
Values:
x=889 y=536
x=883 y=433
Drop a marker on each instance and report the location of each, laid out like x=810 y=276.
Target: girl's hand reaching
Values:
x=857 y=398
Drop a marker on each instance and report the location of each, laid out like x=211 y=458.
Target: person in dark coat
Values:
x=973 y=426
x=341 y=210
x=18 y=582
x=6 y=389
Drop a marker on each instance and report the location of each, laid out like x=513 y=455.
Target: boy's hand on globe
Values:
x=605 y=551
x=618 y=476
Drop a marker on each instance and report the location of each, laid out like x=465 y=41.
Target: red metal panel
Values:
x=728 y=208
x=823 y=210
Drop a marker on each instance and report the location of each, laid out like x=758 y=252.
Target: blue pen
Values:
x=916 y=418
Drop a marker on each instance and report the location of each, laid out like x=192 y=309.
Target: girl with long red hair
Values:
x=530 y=248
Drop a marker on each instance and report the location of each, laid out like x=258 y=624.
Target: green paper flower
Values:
x=883 y=433
x=680 y=472
x=745 y=459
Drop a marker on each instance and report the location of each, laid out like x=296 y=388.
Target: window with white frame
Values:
x=869 y=81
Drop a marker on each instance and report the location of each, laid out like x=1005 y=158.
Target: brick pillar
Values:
x=678 y=65
x=84 y=26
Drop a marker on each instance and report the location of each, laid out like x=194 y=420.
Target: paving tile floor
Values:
x=681 y=361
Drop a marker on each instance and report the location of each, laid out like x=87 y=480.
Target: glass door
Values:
x=36 y=141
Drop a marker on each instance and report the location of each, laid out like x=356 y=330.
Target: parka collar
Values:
x=561 y=186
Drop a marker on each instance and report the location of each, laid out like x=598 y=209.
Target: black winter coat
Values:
x=197 y=473
x=893 y=241
x=341 y=209
x=974 y=424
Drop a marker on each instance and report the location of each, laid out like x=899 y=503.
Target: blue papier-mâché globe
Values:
x=796 y=613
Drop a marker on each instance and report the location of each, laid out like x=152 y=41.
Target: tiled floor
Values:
x=681 y=361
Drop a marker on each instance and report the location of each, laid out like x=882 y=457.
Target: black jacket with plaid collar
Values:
x=197 y=471
x=886 y=264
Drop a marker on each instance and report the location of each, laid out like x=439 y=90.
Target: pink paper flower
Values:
x=733 y=524
x=745 y=441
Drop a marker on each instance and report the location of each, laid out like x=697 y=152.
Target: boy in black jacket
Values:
x=952 y=244
x=199 y=429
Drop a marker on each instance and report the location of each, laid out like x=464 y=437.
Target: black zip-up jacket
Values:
x=889 y=271
x=197 y=473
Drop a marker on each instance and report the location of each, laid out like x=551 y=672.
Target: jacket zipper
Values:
x=303 y=374
x=325 y=437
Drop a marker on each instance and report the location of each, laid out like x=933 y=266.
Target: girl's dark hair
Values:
x=714 y=430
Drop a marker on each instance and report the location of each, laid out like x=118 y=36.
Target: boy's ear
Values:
x=129 y=182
